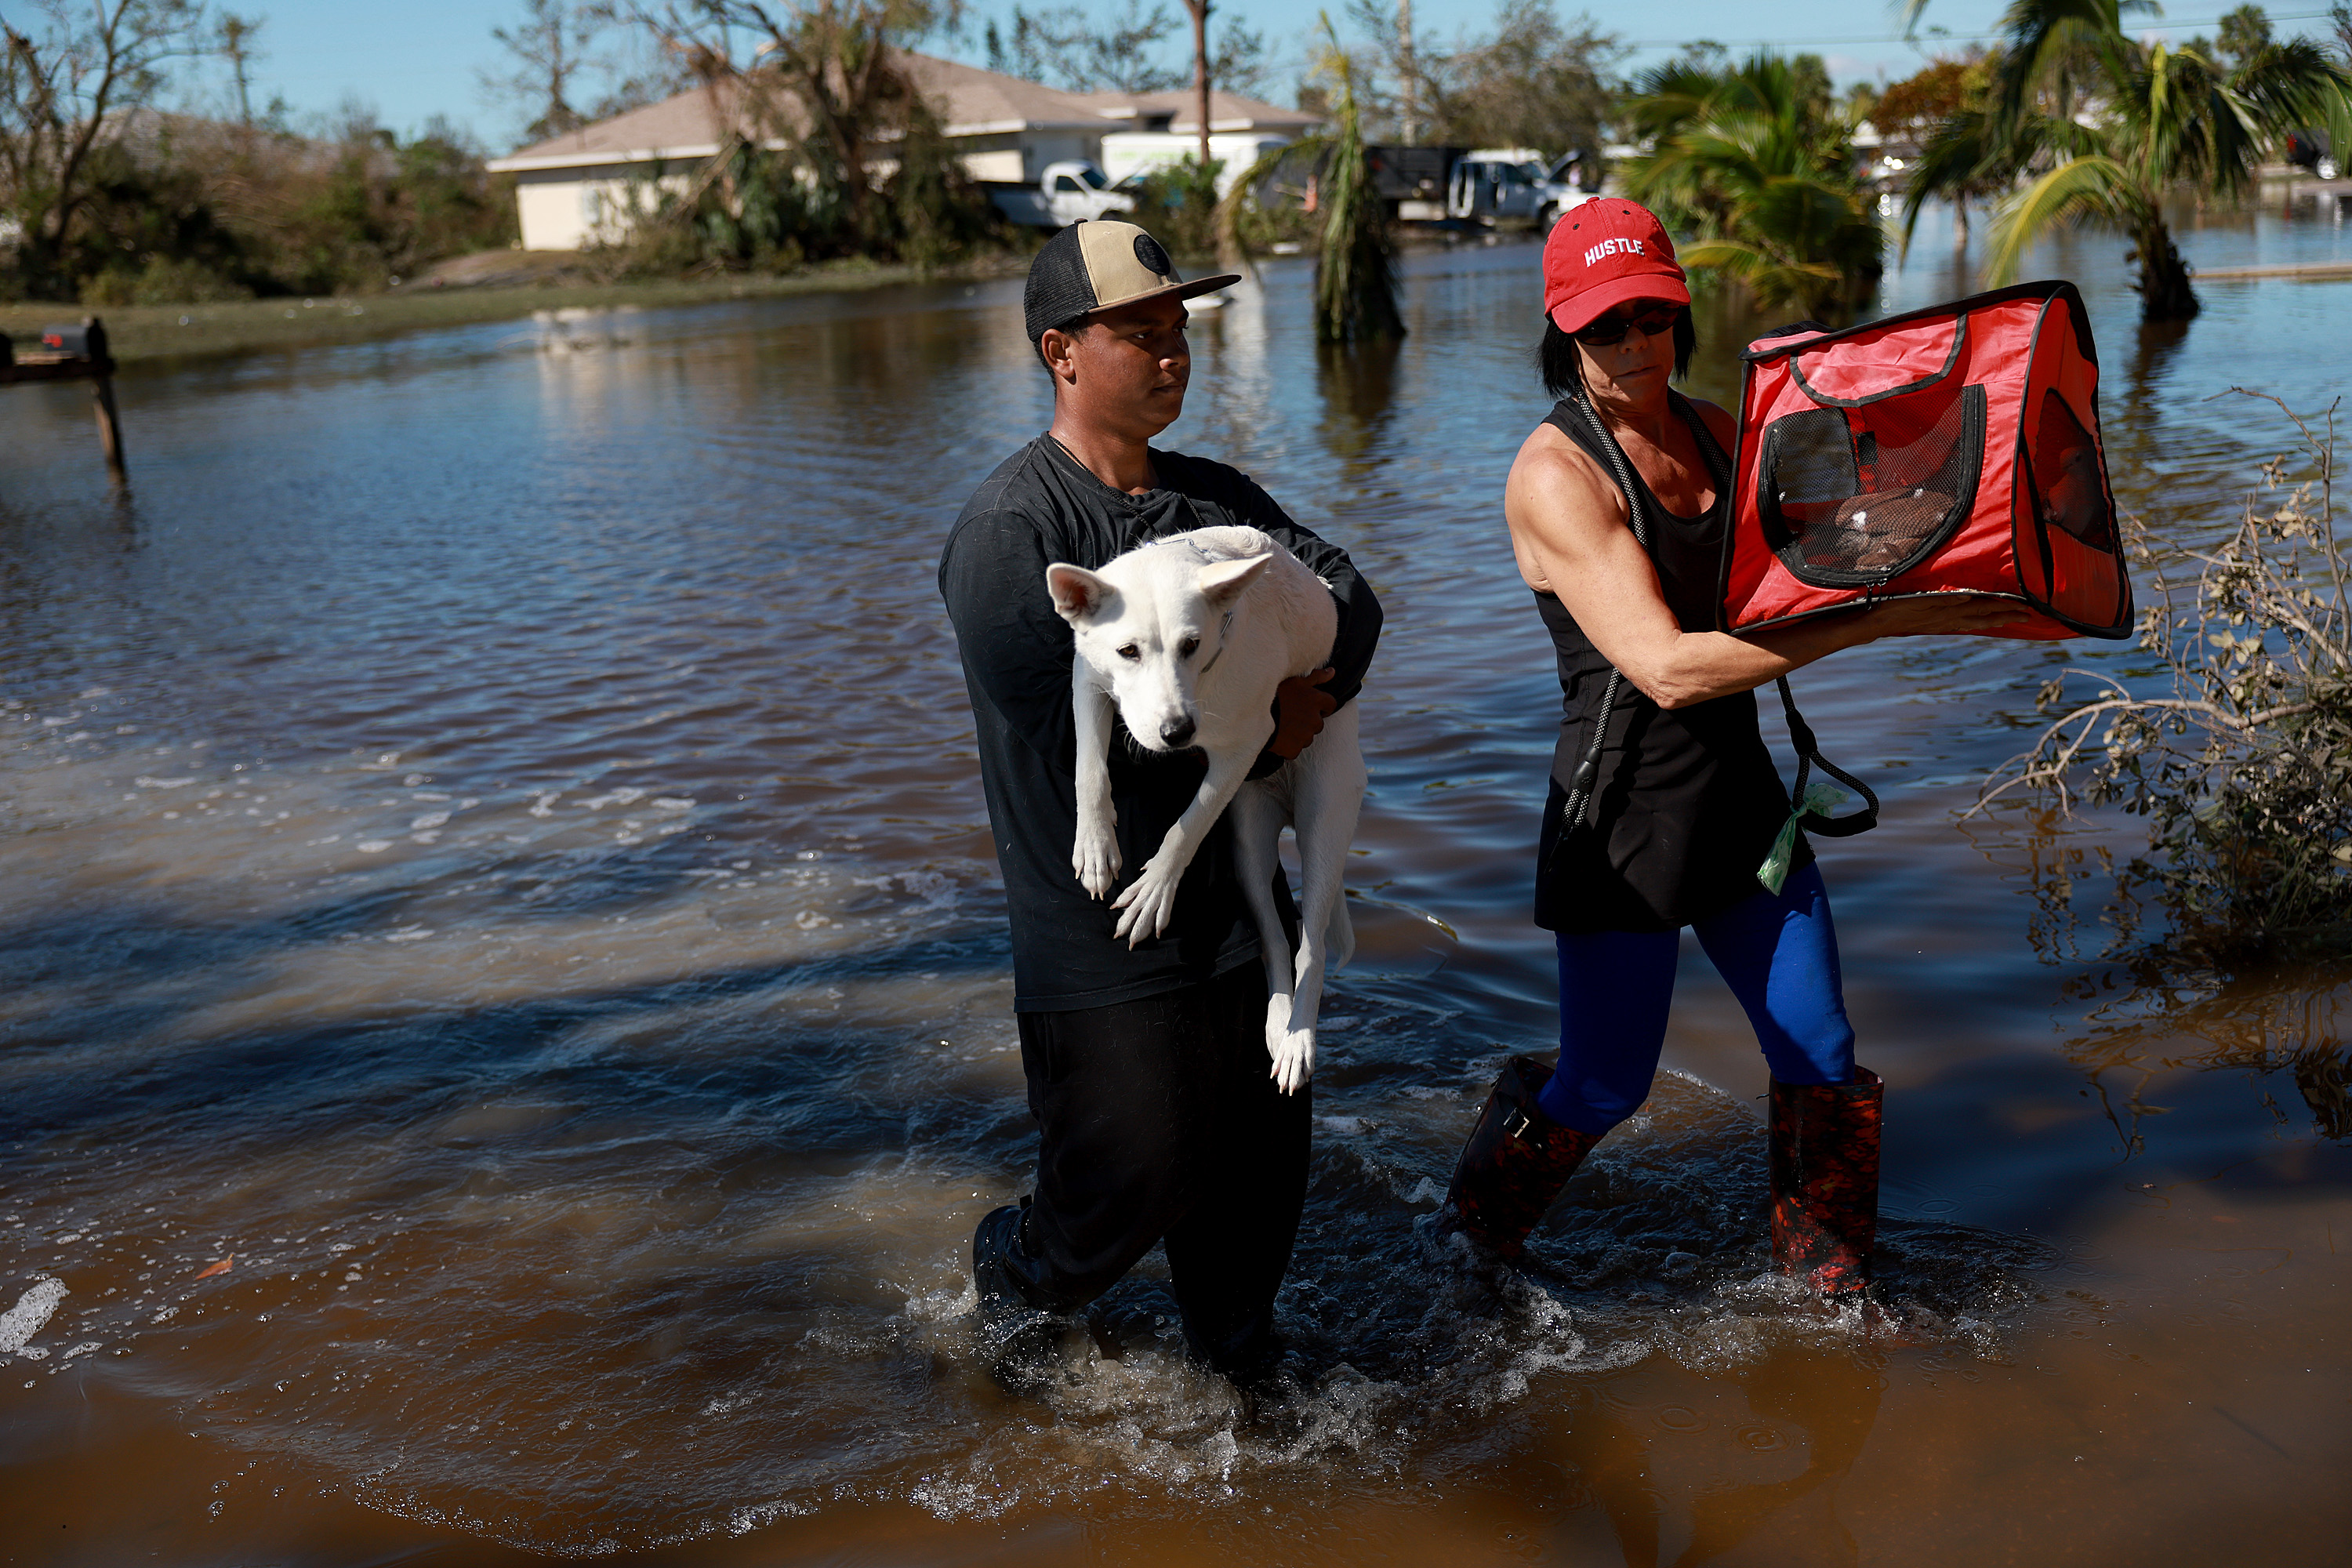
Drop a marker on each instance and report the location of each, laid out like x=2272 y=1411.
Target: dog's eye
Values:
x=1189 y=647
x=1130 y=651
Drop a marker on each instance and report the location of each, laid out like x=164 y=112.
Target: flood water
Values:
x=506 y=1027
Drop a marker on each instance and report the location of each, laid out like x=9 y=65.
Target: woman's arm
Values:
x=1569 y=531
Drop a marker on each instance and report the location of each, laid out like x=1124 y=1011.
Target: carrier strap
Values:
x=1808 y=755
x=1583 y=783
x=1800 y=734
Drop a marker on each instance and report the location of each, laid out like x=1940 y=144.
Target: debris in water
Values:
x=220 y=1267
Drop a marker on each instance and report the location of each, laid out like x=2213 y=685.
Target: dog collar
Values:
x=1226 y=626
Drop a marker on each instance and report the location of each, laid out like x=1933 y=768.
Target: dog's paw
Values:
x=1147 y=904
x=1294 y=1059
x=1096 y=862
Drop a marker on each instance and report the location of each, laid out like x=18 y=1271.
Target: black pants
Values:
x=1160 y=1121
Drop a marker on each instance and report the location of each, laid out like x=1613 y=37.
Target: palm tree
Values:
x=1757 y=165
x=1355 y=272
x=2101 y=128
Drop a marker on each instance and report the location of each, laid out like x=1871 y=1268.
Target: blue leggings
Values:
x=1778 y=953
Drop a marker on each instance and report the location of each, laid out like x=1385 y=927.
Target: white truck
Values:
x=1072 y=191
x=1562 y=188
x=1494 y=183
x=1475 y=189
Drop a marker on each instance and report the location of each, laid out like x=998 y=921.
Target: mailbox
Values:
x=72 y=354
x=76 y=342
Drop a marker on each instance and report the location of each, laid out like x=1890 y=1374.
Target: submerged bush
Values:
x=2243 y=767
x=1177 y=203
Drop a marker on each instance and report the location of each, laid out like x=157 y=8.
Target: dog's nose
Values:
x=1177 y=732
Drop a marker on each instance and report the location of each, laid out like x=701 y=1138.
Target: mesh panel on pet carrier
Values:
x=1843 y=506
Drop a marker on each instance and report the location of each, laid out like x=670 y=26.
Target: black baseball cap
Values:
x=1091 y=267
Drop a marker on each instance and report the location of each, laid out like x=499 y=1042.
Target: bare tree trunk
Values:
x=237 y=46
x=1200 y=10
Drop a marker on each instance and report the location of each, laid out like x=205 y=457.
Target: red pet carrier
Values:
x=1950 y=450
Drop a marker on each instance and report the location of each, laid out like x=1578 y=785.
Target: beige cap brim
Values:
x=1173 y=291
x=1115 y=255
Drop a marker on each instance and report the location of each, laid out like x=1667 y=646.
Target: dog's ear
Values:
x=1221 y=584
x=1077 y=593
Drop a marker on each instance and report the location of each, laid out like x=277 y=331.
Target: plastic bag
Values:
x=1820 y=800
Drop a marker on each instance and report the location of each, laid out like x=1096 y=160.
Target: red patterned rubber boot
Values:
x=1825 y=1181
x=1516 y=1162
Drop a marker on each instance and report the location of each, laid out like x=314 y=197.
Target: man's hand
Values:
x=1300 y=706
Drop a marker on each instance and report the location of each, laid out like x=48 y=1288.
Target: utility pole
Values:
x=1200 y=11
x=1408 y=68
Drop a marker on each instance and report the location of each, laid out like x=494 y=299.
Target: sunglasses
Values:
x=1613 y=329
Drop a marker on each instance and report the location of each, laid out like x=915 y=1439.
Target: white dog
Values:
x=1187 y=639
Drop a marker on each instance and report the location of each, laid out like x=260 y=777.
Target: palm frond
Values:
x=2098 y=188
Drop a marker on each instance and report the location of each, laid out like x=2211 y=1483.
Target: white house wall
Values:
x=1129 y=152
x=1002 y=166
x=573 y=209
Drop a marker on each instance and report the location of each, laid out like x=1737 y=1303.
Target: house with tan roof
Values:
x=582 y=188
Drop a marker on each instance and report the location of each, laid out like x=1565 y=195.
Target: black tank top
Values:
x=1688 y=801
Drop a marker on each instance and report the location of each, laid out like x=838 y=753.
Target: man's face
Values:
x=1125 y=371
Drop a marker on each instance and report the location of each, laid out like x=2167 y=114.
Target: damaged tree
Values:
x=2243 y=767
x=1355 y=272
x=65 y=87
x=826 y=75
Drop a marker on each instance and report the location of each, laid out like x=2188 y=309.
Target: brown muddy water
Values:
x=506 y=1028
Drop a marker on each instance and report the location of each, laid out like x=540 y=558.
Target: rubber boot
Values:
x=1514 y=1165
x=1825 y=1181
x=1021 y=1322
x=1247 y=1352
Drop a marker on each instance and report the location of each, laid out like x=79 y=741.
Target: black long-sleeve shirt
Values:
x=1041 y=505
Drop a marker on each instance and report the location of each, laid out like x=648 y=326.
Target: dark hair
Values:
x=1563 y=372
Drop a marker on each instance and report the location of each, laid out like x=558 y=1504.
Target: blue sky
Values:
x=423 y=57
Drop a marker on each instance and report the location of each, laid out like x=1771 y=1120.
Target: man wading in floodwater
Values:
x=1147 y=1066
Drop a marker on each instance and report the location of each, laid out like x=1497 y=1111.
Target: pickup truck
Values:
x=1474 y=188
x=1073 y=190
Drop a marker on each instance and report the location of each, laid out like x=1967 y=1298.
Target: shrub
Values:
x=755 y=209
x=165 y=280
x=2243 y=767
x=1177 y=203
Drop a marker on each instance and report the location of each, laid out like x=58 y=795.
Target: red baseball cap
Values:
x=1603 y=253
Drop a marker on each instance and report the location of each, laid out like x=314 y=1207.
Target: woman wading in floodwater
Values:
x=1685 y=804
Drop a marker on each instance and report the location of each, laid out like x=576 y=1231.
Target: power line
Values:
x=2167 y=25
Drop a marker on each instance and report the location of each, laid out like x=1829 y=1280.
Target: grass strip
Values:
x=147 y=334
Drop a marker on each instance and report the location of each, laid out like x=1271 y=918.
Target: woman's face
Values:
x=1631 y=373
